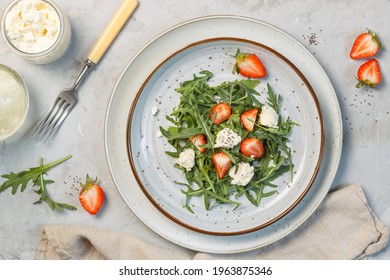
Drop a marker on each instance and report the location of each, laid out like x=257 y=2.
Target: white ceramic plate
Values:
x=147 y=151
x=134 y=78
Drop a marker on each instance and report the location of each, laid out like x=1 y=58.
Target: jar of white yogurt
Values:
x=14 y=103
x=37 y=30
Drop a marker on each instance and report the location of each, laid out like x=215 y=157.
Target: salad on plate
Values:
x=226 y=141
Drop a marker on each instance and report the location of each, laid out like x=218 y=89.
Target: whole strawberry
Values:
x=91 y=196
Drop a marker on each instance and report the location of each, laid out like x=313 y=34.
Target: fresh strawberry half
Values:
x=248 y=119
x=252 y=147
x=91 y=196
x=220 y=113
x=366 y=45
x=369 y=74
x=199 y=140
x=221 y=163
x=249 y=65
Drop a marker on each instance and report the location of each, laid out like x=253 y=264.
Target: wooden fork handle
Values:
x=118 y=20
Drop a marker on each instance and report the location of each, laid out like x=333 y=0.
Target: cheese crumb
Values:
x=227 y=139
x=187 y=159
x=154 y=110
x=268 y=116
x=243 y=175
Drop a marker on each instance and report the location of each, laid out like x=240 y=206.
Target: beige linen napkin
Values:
x=343 y=227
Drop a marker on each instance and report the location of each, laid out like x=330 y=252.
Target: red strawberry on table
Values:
x=199 y=140
x=252 y=147
x=366 y=45
x=248 y=119
x=249 y=65
x=369 y=74
x=91 y=196
x=221 y=163
x=221 y=112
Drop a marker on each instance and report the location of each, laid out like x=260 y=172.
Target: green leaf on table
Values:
x=14 y=180
x=44 y=196
x=35 y=175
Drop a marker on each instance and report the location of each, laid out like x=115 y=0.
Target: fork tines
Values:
x=52 y=120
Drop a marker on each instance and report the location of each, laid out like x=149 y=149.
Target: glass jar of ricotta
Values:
x=14 y=103
x=37 y=30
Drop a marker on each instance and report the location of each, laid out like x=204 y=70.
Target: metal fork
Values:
x=67 y=98
x=60 y=109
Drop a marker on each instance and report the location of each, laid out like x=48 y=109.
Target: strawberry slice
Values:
x=369 y=74
x=249 y=65
x=221 y=163
x=248 y=119
x=366 y=45
x=199 y=140
x=221 y=111
x=252 y=147
x=91 y=196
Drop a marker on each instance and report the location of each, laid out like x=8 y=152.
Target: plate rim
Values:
x=313 y=175
x=226 y=245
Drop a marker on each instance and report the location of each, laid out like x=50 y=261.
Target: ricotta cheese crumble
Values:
x=187 y=159
x=32 y=26
x=227 y=139
x=268 y=116
x=243 y=175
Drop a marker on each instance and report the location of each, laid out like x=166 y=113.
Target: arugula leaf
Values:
x=250 y=92
x=36 y=176
x=22 y=178
x=250 y=84
x=273 y=99
x=205 y=126
x=44 y=196
x=173 y=134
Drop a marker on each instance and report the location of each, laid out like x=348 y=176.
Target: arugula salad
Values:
x=227 y=143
